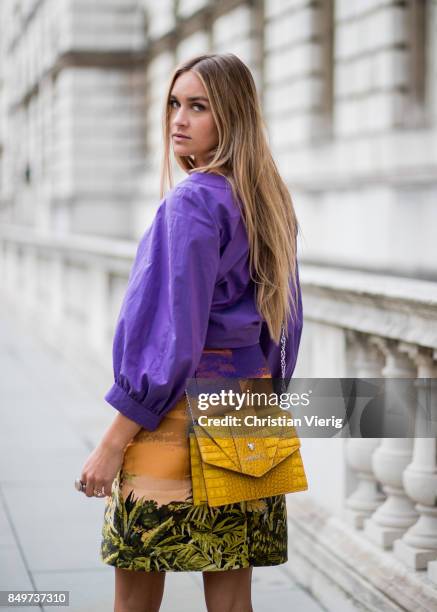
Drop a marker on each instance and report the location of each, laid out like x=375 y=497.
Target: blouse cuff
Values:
x=119 y=399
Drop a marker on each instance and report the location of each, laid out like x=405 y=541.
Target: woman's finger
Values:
x=90 y=486
x=84 y=480
x=108 y=487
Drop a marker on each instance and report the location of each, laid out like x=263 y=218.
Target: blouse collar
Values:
x=208 y=178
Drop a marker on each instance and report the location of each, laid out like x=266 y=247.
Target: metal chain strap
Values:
x=189 y=405
x=283 y=359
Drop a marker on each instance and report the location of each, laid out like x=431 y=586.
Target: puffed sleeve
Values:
x=162 y=326
x=272 y=351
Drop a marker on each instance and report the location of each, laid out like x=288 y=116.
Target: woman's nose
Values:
x=180 y=118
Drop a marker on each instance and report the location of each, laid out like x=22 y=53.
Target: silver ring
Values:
x=79 y=485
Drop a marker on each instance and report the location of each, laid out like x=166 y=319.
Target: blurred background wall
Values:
x=348 y=89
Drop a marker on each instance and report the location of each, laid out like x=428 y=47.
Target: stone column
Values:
x=432 y=567
x=28 y=301
x=418 y=545
x=98 y=306
x=397 y=513
x=367 y=362
x=11 y=268
x=55 y=306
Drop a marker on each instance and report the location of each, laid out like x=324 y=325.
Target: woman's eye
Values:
x=172 y=104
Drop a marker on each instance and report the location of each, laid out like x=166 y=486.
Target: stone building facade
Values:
x=349 y=92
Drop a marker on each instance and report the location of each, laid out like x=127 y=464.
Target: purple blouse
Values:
x=189 y=289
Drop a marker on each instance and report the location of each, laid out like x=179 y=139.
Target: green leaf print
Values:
x=151 y=537
x=137 y=534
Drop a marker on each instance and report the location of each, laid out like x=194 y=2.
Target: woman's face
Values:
x=191 y=116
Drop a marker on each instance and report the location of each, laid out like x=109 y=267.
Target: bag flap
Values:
x=250 y=450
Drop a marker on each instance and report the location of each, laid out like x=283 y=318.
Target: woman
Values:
x=213 y=279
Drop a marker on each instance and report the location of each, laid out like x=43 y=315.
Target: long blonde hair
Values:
x=243 y=155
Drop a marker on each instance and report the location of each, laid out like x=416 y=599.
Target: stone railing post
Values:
x=367 y=362
x=397 y=513
x=418 y=545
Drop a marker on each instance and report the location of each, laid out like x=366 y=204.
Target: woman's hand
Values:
x=103 y=464
x=101 y=468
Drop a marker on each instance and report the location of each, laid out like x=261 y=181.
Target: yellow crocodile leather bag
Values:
x=235 y=462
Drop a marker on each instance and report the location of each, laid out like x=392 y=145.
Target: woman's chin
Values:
x=181 y=146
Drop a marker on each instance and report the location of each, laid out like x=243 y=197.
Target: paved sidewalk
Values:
x=50 y=420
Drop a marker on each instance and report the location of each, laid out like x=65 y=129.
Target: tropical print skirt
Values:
x=150 y=522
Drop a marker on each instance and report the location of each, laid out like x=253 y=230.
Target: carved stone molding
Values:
x=389 y=307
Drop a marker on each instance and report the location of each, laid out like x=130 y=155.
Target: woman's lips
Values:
x=178 y=137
